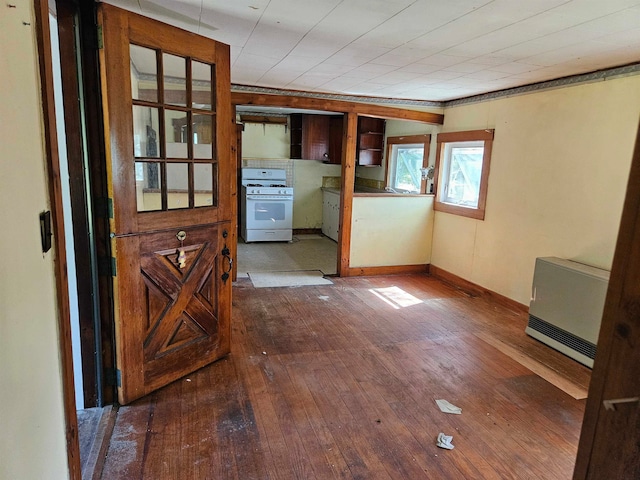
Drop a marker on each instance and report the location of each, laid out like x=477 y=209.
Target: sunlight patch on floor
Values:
x=395 y=296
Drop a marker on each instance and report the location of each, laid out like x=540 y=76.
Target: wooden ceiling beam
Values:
x=339 y=106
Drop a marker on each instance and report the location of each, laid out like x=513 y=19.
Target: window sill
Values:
x=475 y=213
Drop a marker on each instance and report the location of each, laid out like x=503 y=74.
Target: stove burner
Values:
x=279 y=185
x=254 y=185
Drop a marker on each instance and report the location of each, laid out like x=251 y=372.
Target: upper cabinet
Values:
x=319 y=137
x=370 y=141
x=311 y=137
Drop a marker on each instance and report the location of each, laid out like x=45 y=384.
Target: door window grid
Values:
x=172 y=134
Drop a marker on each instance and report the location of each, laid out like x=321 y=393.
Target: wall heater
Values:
x=566 y=307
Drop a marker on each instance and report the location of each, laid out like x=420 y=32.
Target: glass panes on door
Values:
x=174 y=126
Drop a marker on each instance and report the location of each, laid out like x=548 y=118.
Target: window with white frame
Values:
x=462 y=165
x=406 y=162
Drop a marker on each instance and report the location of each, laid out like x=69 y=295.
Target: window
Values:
x=406 y=158
x=462 y=172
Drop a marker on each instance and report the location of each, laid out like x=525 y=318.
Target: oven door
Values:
x=269 y=212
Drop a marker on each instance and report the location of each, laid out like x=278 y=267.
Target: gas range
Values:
x=266 y=205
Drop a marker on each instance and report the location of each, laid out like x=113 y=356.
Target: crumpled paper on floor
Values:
x=447 y=407
x=444 y=441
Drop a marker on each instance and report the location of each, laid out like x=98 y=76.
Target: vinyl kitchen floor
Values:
x=305 y=252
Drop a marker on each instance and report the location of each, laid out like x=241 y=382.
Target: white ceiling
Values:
x=434 y=50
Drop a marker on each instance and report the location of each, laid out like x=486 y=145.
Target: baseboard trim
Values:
x=477 y=290
x=387 y=270
x=307 y=231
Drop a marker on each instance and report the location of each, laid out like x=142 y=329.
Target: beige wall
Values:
x=32 y=441
x=307 y=191
x=558 y=176
x=391 y=230
x=265 y=141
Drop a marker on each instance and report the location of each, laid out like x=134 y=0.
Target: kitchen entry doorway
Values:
x=303 y=253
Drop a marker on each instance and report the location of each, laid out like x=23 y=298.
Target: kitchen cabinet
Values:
x=370 y=141
x=331 y=213
x=316 y=137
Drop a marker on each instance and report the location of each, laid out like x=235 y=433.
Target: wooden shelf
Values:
x=370 y=142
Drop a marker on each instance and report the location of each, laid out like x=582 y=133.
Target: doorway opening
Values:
x=265 y=145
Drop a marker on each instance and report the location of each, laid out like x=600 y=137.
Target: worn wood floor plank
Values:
x=340 y=382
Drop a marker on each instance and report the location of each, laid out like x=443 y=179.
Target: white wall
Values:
x=559 y=170
x=32 y=440
x=391 y=230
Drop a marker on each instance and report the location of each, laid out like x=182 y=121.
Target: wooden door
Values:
x=609 y=441
x=168 y=127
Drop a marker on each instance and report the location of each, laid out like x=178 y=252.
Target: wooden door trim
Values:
x=340 y=106
x=346 y=192
x=43 y=34
x=80 y=208
x=619 y=324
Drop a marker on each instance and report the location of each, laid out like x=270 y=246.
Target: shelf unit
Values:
x=370 y=142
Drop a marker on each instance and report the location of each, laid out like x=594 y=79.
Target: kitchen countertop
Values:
x=374 y=192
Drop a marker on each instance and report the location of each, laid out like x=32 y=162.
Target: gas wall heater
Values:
x=566 y=307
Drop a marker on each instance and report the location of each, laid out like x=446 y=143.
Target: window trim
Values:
x=485 y=136
x=424 y=139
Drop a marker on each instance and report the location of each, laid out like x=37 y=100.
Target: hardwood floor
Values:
x=340 y=381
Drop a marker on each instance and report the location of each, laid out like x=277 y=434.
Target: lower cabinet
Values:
x=330 y=214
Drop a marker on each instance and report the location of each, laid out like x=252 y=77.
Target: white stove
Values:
x=266 y=206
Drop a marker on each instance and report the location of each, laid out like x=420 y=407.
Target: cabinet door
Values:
x=315 y=137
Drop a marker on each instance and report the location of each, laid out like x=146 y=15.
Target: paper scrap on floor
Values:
x=444 y=441
x=447 y=407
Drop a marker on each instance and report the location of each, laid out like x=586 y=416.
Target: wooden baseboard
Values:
x=477 y=290
x=307 y=231
x=387 y=270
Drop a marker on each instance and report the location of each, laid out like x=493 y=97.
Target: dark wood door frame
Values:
x=55 y=196
x=81 y=97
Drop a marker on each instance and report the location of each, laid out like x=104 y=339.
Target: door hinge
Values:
x=107 y=266
x=113 y=377
x=100 y=39
x=103 y=207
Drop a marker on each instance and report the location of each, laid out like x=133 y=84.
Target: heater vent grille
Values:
x=563 y=337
